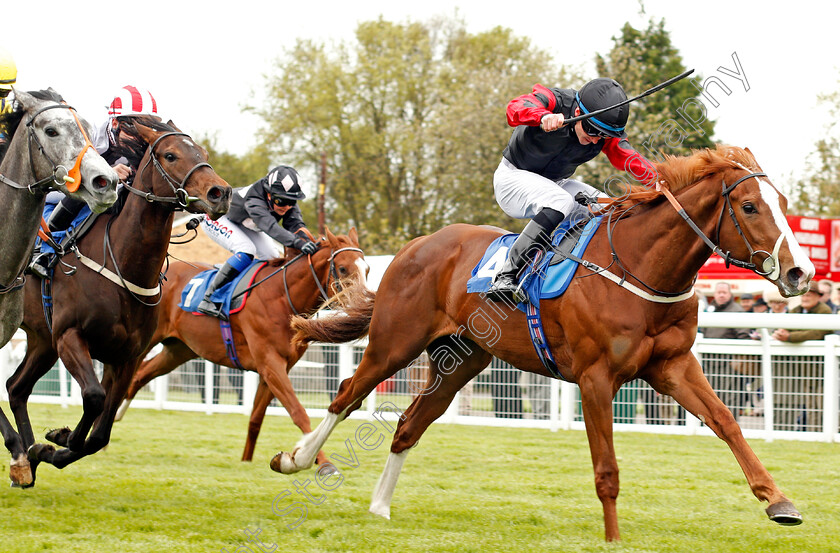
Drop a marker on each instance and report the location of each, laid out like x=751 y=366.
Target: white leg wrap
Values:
x=380 y=503
x=307 y=448
x=121 y=411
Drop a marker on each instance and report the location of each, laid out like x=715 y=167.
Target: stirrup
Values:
x=211 y=308
x=41 y=265
x=504 y=291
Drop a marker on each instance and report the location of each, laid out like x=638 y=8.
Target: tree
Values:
x=818 y=192
x=672 y=121
x=411 y=117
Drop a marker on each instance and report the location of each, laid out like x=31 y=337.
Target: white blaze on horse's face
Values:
x=364 y=269
x=800 y=259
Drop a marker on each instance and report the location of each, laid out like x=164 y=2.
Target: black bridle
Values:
x=332 y=273
x=768 y=267
x=181 y=197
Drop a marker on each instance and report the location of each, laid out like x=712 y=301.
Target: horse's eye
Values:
x=51 y=132
x=342 y=270
x=749 y=208
x=169 y=156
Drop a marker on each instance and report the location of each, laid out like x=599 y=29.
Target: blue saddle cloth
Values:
x=59 y=235
x=193 y=292
x=542 y=282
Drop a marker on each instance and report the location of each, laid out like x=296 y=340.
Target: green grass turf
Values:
x=173 y=482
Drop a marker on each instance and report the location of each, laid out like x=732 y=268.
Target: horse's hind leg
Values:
x=388 y=352
x=683 y=379
x=174 y=354
x=262 y=399
x=430 y=404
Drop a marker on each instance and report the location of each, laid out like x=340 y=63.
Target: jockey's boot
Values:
x=232 y=267
x=61 y=217
x=535 y=236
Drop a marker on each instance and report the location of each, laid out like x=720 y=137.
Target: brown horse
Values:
x=602 y=335
x=110 y=313
x=262 y=335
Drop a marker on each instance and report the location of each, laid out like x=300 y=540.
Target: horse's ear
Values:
x=173 y=125
x=146 y=133
x=331 y=238
x=354 y=236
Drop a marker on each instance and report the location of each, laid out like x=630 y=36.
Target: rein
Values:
x=332 y=274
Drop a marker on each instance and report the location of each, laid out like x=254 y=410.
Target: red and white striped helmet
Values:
x=131 y=100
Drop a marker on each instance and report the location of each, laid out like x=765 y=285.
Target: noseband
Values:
x=72 y=178
x=181 y=196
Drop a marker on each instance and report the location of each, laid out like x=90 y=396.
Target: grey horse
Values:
x=50 y=149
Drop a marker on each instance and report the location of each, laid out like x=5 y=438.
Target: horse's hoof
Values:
x=36 y=451
x=283 y=463
x=784 y=513
x=20 y=472
x=327 y=469
x=383 y=511
x=58 y=436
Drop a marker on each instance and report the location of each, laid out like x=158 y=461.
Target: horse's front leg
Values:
x=682 y=378
x=596 y=395
x=73 y=351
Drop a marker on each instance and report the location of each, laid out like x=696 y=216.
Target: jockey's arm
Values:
x=624 y=157
x=259 y=213
x=529 y=109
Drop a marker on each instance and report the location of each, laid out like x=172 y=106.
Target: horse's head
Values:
x=343 y=258
x=55 y=141
x=175 y=169
x=752 y=226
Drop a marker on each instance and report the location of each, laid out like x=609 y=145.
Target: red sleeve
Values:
x=528 y=109
x=625 y=158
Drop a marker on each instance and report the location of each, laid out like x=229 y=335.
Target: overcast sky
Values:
x=205 y=61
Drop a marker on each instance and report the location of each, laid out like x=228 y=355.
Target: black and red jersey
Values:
x=556 y=155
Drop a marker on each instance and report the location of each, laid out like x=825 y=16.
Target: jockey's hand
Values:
x=123 y=171
x=552 y=122
x=306 y=246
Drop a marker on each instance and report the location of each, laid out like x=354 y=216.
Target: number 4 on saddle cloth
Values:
x=546 y=277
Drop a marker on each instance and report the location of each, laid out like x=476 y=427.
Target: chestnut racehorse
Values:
x=261 y=331
x=110 y=313
x=602 y=334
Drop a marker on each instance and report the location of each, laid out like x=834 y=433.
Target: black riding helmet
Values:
x=284 y=184
x=599 y=94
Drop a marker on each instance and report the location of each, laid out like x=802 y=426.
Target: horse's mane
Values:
x=678 y=172
x=12 y=118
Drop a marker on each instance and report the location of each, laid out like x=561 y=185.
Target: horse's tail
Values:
x=350 y=322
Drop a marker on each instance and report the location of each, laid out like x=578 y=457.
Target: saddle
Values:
x=232 y=296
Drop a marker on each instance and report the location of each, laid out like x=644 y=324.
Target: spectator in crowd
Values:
x=760 y=306
x=747 y=301
x=776 y=302
x=826 y=291
x=725 y=380
x=797 y=390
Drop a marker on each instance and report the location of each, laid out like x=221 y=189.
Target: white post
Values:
x=208 y=387
x=345 y=362
x=767 y=384
x=250 y=382
x=554 y=405
x=63 y=392
x=567 y=404
x=161 y=385
x=830 y=406
x=692 y=423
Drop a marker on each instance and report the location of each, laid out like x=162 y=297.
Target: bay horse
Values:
x=261 y=330
x=49 y=150
x=602 y=334
x=107 y=308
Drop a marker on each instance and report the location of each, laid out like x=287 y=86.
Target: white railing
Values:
x=786 y=391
